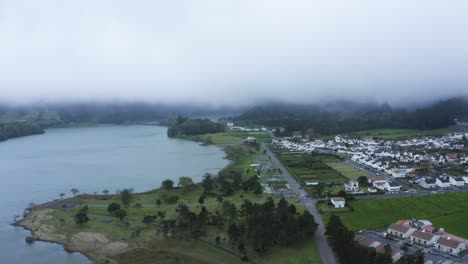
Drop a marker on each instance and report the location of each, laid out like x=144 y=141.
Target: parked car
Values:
x=408 y=243
x=384 y=234
x=433 y=252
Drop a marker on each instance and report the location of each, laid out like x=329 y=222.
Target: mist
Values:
x=233 y=52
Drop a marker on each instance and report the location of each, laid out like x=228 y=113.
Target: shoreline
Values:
x=93 y=253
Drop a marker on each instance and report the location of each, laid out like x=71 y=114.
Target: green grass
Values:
x=307 y=253
x=231 y=137
x=347 y=170
x=177 y=251
x=449 y=211
x=399 y=133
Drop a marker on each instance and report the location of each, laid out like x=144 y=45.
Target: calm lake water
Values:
x=38 y=168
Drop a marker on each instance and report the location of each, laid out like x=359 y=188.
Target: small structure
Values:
x=457 y=181
x=338 y=202
x=401 y=231
x=442 y=183
x=392 y=187
x=424 y=238
x=428 y=183
x=351 y=186
x=449 y=245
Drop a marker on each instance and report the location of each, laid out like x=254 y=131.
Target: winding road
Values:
x=326 y=252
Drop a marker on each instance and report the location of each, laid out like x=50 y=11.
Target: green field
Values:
x=449 y=211
x=231 y=137
x=346 y=170
x=399 y=133
x=312 y=168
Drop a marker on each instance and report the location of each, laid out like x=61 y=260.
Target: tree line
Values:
x=316 y=120
x=18 y=129
x=184 y=126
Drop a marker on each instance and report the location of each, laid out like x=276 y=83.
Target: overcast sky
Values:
x=229 y=52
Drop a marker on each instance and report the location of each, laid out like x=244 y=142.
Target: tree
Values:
x=362 y=180
x=208 y=183
x=126 y=197
x=75 y=191
x=233 y=232
x=219 y=199
x=112 y=208
x=61 y=196
x=201 y=200
x=342 y=193
x=218 y=240
x=185 y=184
x=84 y=209
x=81 y=218
x=158 y=202
x=167 y=185
x=121 y=214
x=148 y=219
x=105 y=192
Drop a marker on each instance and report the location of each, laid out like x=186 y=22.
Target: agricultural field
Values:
x=449 y=211
x=312 y=168
x=346 y=170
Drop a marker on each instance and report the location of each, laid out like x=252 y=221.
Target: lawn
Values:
x=449 y=211
x=307 y=253
x=232 y=137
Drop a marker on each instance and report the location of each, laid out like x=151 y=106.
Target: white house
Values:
x=351 y=186
x=338 y=202
x=465 y=178
x=400 y=231
x=424 y=238
x=448 y=245
x=457 y=181
x=428 y=183
x=442 y=183
x=392 y=187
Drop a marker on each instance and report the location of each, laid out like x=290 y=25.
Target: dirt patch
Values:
x=96 y=243
x=97 y=246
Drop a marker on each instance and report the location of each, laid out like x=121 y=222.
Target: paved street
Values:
x=326 y=252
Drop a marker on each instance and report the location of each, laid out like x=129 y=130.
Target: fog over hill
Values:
x=235 y=53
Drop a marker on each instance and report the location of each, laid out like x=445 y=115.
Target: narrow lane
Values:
x=326 y=252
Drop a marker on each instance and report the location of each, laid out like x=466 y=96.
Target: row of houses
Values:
x=422 y=232
x=442 y=182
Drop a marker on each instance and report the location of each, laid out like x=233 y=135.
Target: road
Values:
x=326 y=252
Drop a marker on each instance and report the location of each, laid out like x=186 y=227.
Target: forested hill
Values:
x=18 y=129
x=348 y=117
x=188 y=127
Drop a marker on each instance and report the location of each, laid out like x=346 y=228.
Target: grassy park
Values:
x=393 y=134
x=443 y=210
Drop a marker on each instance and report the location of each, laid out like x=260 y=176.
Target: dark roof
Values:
x=363 y=241
x=444 y=180
x=394 y=184
x=430 y=181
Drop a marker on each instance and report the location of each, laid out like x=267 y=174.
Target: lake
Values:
x=38 y=168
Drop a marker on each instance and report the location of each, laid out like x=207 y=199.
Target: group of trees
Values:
x=183 y=126
x=349 y=251
x=350 y=117
x=18 y=129
x=262 y=226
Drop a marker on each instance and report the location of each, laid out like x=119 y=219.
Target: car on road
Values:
x=433 y=252
x=408 y=243
x=384 y=234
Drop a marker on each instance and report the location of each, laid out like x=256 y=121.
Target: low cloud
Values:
x=233 y=52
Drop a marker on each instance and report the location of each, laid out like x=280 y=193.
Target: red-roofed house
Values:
x=403 y=222
x=424 y=238
x=400 y=231
x=338 y=202
x=449 y=245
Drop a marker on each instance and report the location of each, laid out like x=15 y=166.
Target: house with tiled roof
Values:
x=448 y=245
x=395 y=252
x=338 y=202
x=442 y=183
x=457 y=181
x=401 y=231
x=424 y=238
